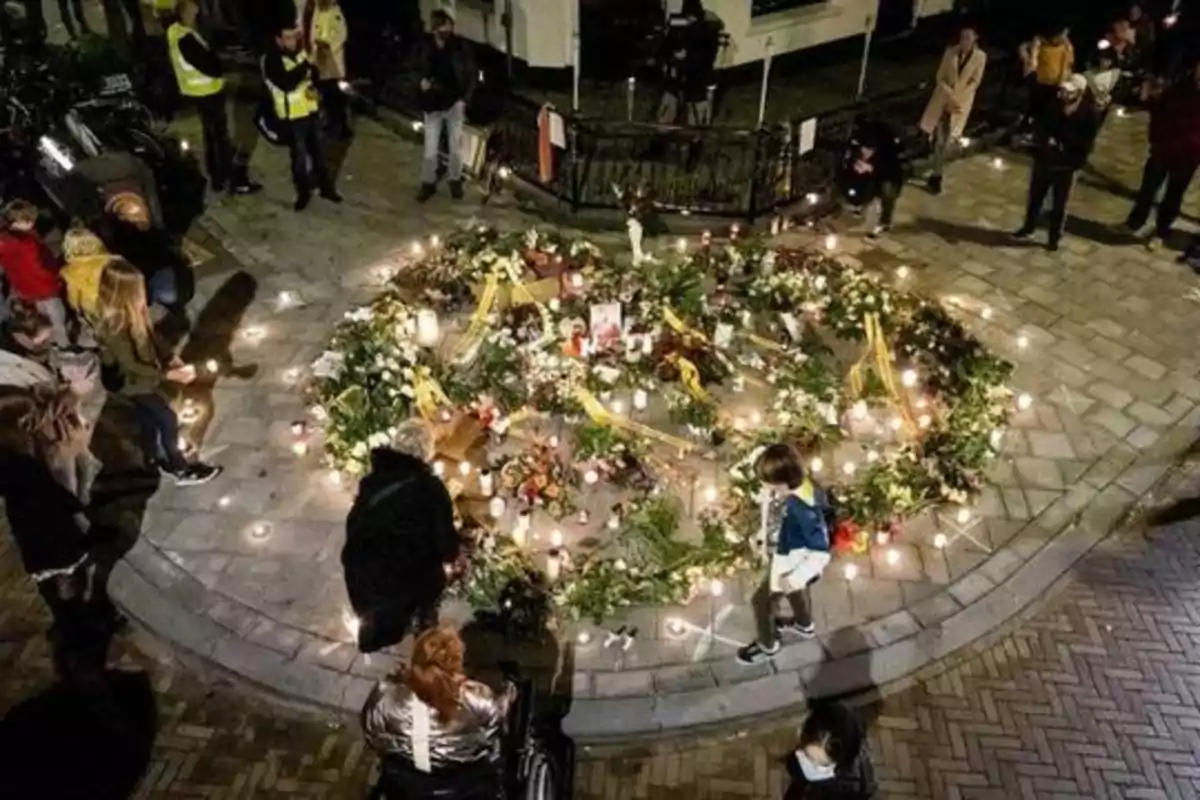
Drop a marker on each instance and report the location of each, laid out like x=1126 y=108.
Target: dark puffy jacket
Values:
x=1066 y=141
x=41 y=514
x=399 y=533
x=1175 y=127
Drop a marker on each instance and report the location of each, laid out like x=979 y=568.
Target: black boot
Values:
x=935 y=184
x=427 y=191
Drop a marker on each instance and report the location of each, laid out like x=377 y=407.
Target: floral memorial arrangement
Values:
x=620 y=408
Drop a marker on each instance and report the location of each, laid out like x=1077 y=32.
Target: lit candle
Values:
x=576 y=280
x=816 y=465
x=640 y=399
x=439 y=468
x=552 y=441
x=591 y=476
x=893 y=556
x=553 y=566
x=497 y=507
x=939 y=541
x=487 y=483
x=583 y=638
x=428 y=331
x=300 y=448
x=1024 y=402
x=213 y=366
x=556 y=538
x=618 y=406
x=464 y=468
x=710 y=494
x=614 y=522
x=520 y=531
x=647 y=344
x=850 y=571
x=555 y=304
x=909 y=378
x=716 y=588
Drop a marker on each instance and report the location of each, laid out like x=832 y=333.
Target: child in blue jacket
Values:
x=798 y=559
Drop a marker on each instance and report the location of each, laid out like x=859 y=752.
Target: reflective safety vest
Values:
x=164 y=6
x=192 y=82
x=299 y=103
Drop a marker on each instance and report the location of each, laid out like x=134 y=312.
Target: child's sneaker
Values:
x=755 y=653
x=794 y=628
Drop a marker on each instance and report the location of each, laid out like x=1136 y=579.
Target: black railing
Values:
x=721 y=171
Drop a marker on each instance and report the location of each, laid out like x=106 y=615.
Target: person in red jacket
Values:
x=1174 y=157
x=30 y=269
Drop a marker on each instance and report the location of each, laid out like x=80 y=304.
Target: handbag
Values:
x=269 y=126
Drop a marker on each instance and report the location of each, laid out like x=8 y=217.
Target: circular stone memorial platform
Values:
x=243 y=574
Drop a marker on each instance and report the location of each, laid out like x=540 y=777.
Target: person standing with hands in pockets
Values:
x=798 y=558
x=447 y=80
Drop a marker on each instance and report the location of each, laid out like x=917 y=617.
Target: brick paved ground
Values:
x=1095 y=695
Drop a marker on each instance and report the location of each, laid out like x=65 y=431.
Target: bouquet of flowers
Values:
x=539 y=478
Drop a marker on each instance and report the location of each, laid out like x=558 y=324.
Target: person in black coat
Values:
x=872 y=173
x=402 y=548
x=43 y=516
x=1063 y=144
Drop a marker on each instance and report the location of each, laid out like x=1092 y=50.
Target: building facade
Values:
x=543 y=31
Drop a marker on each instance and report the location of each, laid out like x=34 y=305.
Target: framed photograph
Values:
x=605 y=325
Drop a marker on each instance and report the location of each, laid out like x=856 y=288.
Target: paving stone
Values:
x=1146 y=367
x=1111 y=395
x=1050 y=445
x=1113 y=420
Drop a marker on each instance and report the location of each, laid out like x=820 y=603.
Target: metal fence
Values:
x=720 y=171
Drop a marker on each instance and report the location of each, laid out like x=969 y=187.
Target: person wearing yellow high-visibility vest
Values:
x=290 y=77
x=199 y=73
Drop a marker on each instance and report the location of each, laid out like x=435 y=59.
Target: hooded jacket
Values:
x=399 y=533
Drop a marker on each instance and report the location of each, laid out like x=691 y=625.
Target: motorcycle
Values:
x=78 y=143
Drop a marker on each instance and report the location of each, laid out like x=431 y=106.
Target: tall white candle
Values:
x=428 y=331
x=520 y=533
x=553 y=566
x=487 y=484
x=640 y=399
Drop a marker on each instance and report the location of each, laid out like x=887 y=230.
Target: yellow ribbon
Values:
x=689 y=376
x=877 y=350
x=428 y=393
x=487 y=299
x=602 y=416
